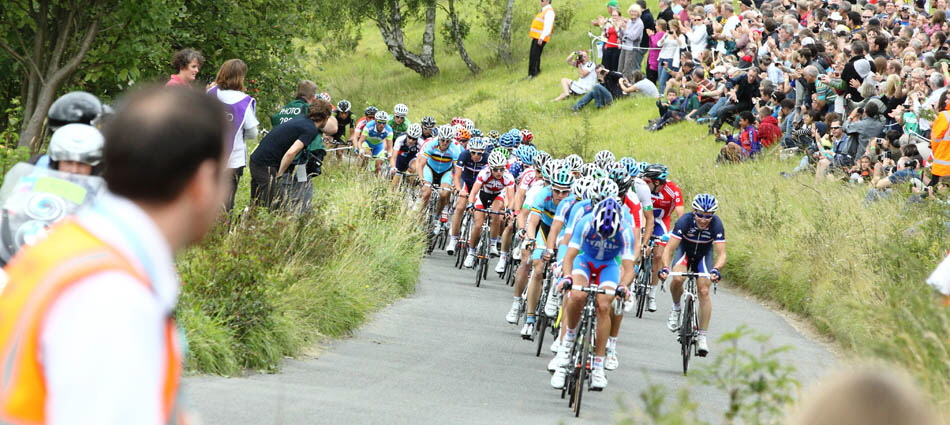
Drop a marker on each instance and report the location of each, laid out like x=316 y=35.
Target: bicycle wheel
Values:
x=641 y=293
x=540 y=329
x=478 y=272
x=686 y=333
x=582 y=373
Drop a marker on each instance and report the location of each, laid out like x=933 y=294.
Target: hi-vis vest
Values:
x=941 y=149
x=537 y=25
x=37 y=277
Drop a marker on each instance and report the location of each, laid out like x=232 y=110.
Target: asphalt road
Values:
x=445 y=355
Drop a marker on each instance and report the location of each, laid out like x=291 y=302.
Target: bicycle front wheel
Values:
x=582 y=373
x=686 y=333
x=540 y=329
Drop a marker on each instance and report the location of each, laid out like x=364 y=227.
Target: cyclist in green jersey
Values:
x=399 y=123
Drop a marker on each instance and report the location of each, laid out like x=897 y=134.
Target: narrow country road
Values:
x=445 y=355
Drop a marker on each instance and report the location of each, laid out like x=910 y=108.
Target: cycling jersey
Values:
x=582 y=209
x=528 y=178
x=595 y=247
x=438 y=160
x=669 y=197
x=470 y=168
x=543 y=205
x=341 y=124
x=404 y=152
x=374 y=137
x=492 y=185
x=399 y=128
x=642 y=191
x=696 y=243
x=361 y=124
x=631 y=204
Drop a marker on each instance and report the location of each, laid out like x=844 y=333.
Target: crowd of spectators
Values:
x=855 y=90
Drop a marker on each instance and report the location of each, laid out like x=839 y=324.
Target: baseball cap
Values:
x=613 y=3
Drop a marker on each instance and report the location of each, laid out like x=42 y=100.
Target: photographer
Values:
x=585 y=71
x=602 y=94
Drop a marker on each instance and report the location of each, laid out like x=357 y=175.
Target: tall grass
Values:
x=272 y=284
x=856 y=270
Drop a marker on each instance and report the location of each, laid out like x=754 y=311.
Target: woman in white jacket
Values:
x=670 y=45
x=241 y=109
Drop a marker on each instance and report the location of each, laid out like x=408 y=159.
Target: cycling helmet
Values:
x=581 y=187
x=476 y=144
x=502 y=150
x=414 y=131
x=607 y=217
x=343 y=105
x=370 y=111
x=457 y=120
x=462 y=134
x=706 y=203
x=446 y=132
x=526 y=154
x=627 y=162
x=603 y=158
x=76 y=107
x=575 y=162
x=497 y=159
x=400 y=110
x=562 y=176
x=381 y=116
x=541 y=158
x=468 y=124
x=602 y=189
x=428 y=122
x=526 y=136
x=548 y=169
x=494 y=134
x=655 y=172
x=618 y=173
x=587 y=170
x=326 y=96
x=77 y=142
x=476 y=132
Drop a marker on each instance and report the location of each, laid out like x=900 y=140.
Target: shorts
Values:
x=402 y=163
x=697 y=264
x=484 y=200
x=660 y=231
x=605 y=274
x=467 y=186
x=378 y=151
x=541 y=241
x=443 y=178
x=577 y=88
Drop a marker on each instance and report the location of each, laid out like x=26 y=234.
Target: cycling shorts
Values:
x=443 y=178
x=402 y=163
x=378 y=151
x=605 y=274
x=660 y=231
x=541 y=241
x=484 y=200
x=698 y=264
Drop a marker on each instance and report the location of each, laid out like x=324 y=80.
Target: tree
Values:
x=504 y=41
x=390 y=18
x=458 y=32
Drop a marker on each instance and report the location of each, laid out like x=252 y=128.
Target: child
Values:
x=747 y=141
x=653 y=57
x=679 y=106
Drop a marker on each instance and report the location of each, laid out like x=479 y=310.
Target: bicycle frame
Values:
x=689 y=317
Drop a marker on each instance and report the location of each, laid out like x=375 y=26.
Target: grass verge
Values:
x=274 y=284
x=856 y=270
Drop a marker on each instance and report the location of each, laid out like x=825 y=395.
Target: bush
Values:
x=271 y=284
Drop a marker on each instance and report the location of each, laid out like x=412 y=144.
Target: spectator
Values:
x=666 y=11
x=649 y=27
x=641 y=85
x=940 y=141
x=602 y=94
x=188 y=62
x=630 y=42
x=585 y=72
x=611 y=31
x=653 y=58
x=741 y=92
x=540 y=34
x=228 y=87
x=306 y=94
x=669 y=58
x=769 y=133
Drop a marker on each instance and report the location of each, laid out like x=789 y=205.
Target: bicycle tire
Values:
x=478 y=272
x=686 y=334
x=582 y=373
x=641 y=294
x=540 y=328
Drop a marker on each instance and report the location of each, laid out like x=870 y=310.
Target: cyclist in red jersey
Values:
x=667 y=201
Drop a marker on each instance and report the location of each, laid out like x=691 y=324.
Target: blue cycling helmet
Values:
x=476 y=132
x=509 y=140
x=526 y=153
x=706 y=203
x=607 y=217
x=656 y=172
x=563 y=177
x=635 y=169
x=628 y=163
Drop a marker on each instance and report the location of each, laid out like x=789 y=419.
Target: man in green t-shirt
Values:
x=399 y=123
x=306 y=94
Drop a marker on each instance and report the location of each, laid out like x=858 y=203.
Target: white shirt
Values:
x=670 y=48
x=548 y=21
x=102 y=346
x=587 y=82
x=727 y=29
x=238 y=156
x=697 y=40
x=940 y=278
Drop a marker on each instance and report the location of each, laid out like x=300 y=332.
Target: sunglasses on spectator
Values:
x=834 y=127
x=497 y=169
x=703 y=216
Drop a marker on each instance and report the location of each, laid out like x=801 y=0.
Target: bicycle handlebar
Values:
x=620 y=292
x=691 y=274
x=487 y=211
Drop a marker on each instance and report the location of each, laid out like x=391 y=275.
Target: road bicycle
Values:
x=482 y=249
x=579 y=366
x=544 y=323
x=408 y=185
x=514 y=259
x=437 y=227
x=461 y=246
x=689 y=320
x=644 y=279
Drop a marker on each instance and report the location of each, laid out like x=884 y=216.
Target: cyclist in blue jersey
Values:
x=437 y=167
x=580 y=191
x=597 y=241
x=405 y=151
x=376 y=139
x=493 y=189
x=697 y=243
x=543 y=206
x=469 y=164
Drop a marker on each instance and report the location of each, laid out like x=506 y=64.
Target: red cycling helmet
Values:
x=527 y=136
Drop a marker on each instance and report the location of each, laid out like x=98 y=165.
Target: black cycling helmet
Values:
x=428 y=122
x=76 y=107
x=655 y=172
x=370 y=111
x=343 y=105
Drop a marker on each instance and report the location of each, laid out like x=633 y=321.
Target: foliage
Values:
x=759 y=386
x=271 y=285
x=447 y=33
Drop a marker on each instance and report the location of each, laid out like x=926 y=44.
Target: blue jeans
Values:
x=723 y=101
x=664 y=75
x=599 y=94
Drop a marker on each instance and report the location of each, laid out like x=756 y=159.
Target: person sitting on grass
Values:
x=640 y=85
x=586 y=76
x=746 y=144
x=769 y=132
x=604 y=93
x=680 y=108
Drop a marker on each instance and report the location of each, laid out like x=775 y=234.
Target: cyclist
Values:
x=469 y=164
x=543 y=206
x=667 y=200
x=524 y=168
x=405 y=150
x=640 y=192
x=602 y=158
x=344 y=119
x=428 y=127
x=398 y=122
x=437 y=168
x=526 y=137
x=494 y=189
x=462 y=136
x=369 y=114
x=699 y=244
x=523 y=215
x=376 y=140
x=597 y=241
x=76 y=145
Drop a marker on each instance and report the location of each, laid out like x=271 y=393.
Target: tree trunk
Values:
x=390 y=27
x=459 y=42
x=504 y=42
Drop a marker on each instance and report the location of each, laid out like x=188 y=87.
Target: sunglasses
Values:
x=561 y=191
x=703 y=216
x=835 y=127
x=497 y=169
x=477 y=153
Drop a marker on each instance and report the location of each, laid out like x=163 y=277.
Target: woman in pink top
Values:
x=653 y=58
x=187 y=62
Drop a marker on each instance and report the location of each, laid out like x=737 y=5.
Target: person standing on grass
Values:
x=540 y=33
x=241 y=108
x=630 y=41
x=188 y=62
x=87 y=329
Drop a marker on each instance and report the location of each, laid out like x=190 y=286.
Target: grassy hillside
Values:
x=855 y=269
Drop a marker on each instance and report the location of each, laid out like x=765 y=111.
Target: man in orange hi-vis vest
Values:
x=940 y=143
x=86 y=328
x=540 y=33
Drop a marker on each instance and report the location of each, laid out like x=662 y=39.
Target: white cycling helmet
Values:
x=581 y=187
x=575 y=162
x=497 y=159
x=603 y=189
x=400 y=110
x=446 y=132
x=77 y=142
x=414 y=131
x=381 y=116
x=603 y=158
x=476 y=144
x=469 y=124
